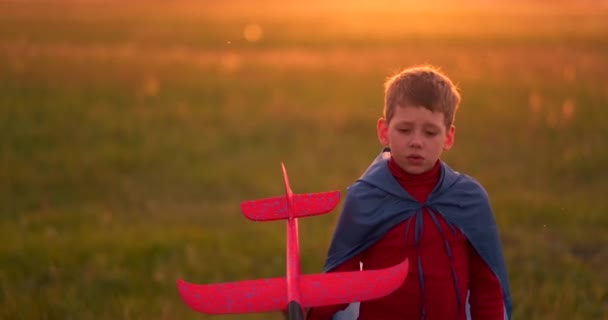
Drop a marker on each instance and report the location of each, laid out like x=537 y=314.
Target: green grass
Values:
x=129 y=136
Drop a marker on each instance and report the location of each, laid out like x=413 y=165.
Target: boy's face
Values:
x=416 y=136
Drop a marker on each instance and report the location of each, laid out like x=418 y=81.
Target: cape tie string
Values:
x=418 y=228
x=418 y=231
x=432 y=213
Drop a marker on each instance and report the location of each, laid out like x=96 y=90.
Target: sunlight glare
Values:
x=253 y=32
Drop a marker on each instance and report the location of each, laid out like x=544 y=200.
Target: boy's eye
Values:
x=431 y=133
x=404 y=130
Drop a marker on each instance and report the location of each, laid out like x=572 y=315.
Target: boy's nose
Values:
x=416 y=141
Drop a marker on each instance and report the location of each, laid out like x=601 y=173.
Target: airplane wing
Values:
x=263 y=295
x=345 y=287
x=267 y=295
x=305 y=205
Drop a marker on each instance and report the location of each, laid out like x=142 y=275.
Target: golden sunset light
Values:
x=132 y=131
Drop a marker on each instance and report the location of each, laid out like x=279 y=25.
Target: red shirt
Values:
x=439 y=293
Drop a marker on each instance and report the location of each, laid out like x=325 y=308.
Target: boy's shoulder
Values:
x=453 y=186
x=467 y=182
x=363 y=190
x=451 y=179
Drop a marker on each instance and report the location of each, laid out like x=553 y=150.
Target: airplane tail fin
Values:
x=304 y=205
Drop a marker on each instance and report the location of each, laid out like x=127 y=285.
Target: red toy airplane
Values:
x=296 y=291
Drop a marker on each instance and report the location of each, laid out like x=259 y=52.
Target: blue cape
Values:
x=376 y=202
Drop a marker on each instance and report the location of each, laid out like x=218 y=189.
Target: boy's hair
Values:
x=421 y=86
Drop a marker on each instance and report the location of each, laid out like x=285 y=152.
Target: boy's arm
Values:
x=485 y=298
x=327 y=312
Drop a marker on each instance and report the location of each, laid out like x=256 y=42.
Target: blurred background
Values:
x=131 y=131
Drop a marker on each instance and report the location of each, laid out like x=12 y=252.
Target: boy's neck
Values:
x=418 y=186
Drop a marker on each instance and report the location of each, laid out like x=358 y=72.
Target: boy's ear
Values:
x=382 y=128
x=449 y=138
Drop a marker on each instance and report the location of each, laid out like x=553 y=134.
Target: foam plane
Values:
x=295 y=292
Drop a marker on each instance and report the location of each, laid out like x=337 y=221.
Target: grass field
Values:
x=130 y=133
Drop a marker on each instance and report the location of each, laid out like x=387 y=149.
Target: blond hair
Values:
x=421 y=86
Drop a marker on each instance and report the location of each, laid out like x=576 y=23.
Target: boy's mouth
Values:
x=415 y=157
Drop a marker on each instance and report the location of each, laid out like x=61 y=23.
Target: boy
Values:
x=410 y=204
